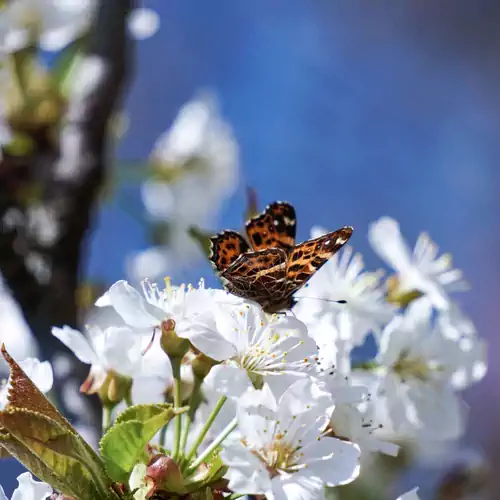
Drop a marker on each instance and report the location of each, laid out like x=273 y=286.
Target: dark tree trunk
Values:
x=71 y=170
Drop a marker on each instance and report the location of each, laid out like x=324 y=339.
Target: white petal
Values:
x=77 y=342
x=230 y=381
x=386 y=240
x=246 y=473
x=409 y=495
x=210 y=342
x=133 y=307
x=29 y=489
x=298 y=486
x=334 y=461
x=158 y=199
x=302 y=396
x=2 y=494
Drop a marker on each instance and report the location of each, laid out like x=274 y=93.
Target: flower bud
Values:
x=115 y=389
x=202 y=365
x=172 y=345
x=165 y=473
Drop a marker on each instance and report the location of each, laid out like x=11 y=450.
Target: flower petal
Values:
x=133 y=307
x=387 y=242
x=228 y=380
x=29 y=489
x=77 y=342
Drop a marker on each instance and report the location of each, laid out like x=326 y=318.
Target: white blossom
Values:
x=116 y=348
x=280 y=450
x=54 y=23
x=195 y=170
x=143 y=23
x=186 y=305
x=423 y=271
x=253 y=347
x=418 y=372
x=39 y=372
x=342 y=278
x=28 y=489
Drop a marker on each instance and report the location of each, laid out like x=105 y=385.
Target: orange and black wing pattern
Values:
x=274 y=228
x=307 y=257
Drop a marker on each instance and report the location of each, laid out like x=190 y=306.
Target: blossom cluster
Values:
x=279 y=405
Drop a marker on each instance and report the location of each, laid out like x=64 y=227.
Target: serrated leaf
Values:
x=24 y=394
x=34 y=432
x=24 y=455
x=124 y=445
x=58 y=449
x=143 y=413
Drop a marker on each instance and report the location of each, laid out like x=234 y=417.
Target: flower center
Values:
x=412 y=367
x=268 y=356
x=280 y=456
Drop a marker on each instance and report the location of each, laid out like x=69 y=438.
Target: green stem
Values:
x=215 y=444
x=206 y=428
x=189 y=417
x=163 y=435
x=176 y=369
x=234 y=496
x=107 y=411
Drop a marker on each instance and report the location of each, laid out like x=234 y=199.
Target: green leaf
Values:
x=124 y=445
x=53 y=452
x=143 y=413
x=33 y=431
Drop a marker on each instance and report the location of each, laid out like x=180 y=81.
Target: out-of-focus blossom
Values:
x=39 y=372
x=194 y=170
x=423 y=271
x=28 y=489
x=51 y=23
x=143 y=23
x=280 y=450
x=116 y=349
x=419 y=368
x=14 y=331
x=343 y=278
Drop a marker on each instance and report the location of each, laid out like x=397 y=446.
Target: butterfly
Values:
x=269 y=268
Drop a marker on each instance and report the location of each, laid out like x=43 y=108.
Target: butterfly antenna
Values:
x=325 y=300
x=148 y=347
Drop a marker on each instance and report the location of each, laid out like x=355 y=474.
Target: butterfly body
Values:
x=270 y=267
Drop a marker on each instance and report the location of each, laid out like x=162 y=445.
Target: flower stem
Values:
x=189 y=417
x=206 y=428
x=176 y=369
x=107 y=411
x=215 y=444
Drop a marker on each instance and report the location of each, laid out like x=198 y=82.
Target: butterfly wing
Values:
x=307 y=257
x=273 y=228
x=258 y=276
x=225 y=248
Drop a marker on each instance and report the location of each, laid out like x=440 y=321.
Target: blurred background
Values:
x=350 y=111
